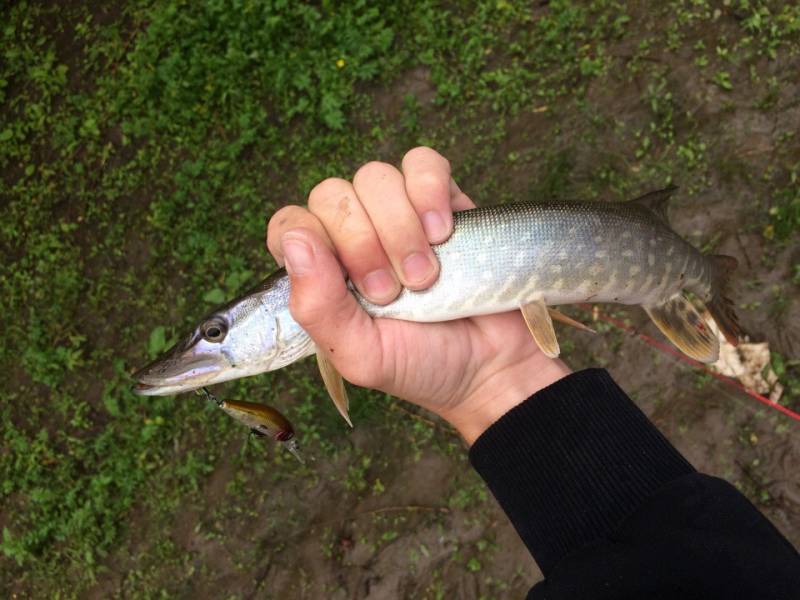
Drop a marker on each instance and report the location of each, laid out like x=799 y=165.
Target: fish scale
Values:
x=502 y=257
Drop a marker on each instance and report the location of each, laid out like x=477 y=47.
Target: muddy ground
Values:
x=425 y=538
x=392 y=509
x=718 y=428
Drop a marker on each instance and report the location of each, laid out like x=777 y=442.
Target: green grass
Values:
x=143 y=147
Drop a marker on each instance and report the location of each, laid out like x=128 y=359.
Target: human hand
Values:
x=379 y=229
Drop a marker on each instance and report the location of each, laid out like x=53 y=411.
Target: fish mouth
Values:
x=145 y=389
x=178 y=372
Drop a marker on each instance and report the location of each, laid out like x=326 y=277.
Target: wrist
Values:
x=501 y=390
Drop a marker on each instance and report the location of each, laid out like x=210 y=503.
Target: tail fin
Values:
x=720 y=306
x=680 y=322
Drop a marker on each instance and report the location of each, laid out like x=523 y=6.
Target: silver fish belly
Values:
x=500 y=258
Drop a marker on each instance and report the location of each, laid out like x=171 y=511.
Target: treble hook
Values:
x=203 y=391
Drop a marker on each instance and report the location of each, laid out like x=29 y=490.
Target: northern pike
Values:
x=528 y=256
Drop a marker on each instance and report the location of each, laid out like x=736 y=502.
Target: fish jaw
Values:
x=211 y=370
x=182 y=369
x=145 y=389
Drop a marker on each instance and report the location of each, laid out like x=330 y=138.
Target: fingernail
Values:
x=434 y=226
x=379 y=285
x=298 y=255
x=417 y=267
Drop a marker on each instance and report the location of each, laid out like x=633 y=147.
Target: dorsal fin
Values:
x=657 y=201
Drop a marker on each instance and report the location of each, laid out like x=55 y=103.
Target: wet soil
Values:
x=434 y=531
x=413 y=540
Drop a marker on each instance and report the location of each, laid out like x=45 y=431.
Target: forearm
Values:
x=604 y=501
x=570 y=463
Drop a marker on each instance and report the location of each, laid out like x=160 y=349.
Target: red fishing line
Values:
x=667 y=349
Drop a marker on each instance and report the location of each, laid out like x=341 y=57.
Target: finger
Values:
x=427 y=181
x=458 y=199
x=335 y=204
x=380 y=188
x=324 y=307
x=292 y=217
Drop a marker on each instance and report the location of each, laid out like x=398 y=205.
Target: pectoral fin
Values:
x=537 y=318
x=335 y=386
x=557 y=315
x=682 y=324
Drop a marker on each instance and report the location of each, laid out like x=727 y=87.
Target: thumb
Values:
x=322 y=304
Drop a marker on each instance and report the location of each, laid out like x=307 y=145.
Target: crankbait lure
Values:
x=263 y=421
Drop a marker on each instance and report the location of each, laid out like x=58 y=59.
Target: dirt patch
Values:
x=402 y=543
x=413 y=540
x=382 y=517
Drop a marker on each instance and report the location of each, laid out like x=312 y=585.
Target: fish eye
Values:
x=214 y=330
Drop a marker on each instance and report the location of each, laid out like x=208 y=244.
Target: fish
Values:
x=527 y=256
x=262 y=420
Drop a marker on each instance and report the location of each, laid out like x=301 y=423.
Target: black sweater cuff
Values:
x=569 y=464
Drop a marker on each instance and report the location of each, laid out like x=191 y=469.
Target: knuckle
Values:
x=414 y=154
x=374 y=169
x=280 y=221
x=429 y=185
x=284 y=217
x=326 y=190
x=426 y=155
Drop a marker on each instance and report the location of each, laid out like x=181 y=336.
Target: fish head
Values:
x=202 y=358
x=250 y=335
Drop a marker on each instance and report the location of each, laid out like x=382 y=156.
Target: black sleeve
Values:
x=610 y=509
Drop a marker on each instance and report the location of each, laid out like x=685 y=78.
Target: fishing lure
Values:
x=263 y=421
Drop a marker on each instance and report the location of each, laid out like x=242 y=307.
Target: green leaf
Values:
x=215 y=296
x=723 y=80
x=331 y=110
x=111 y=404
x=473 y=565
x=157 y=341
